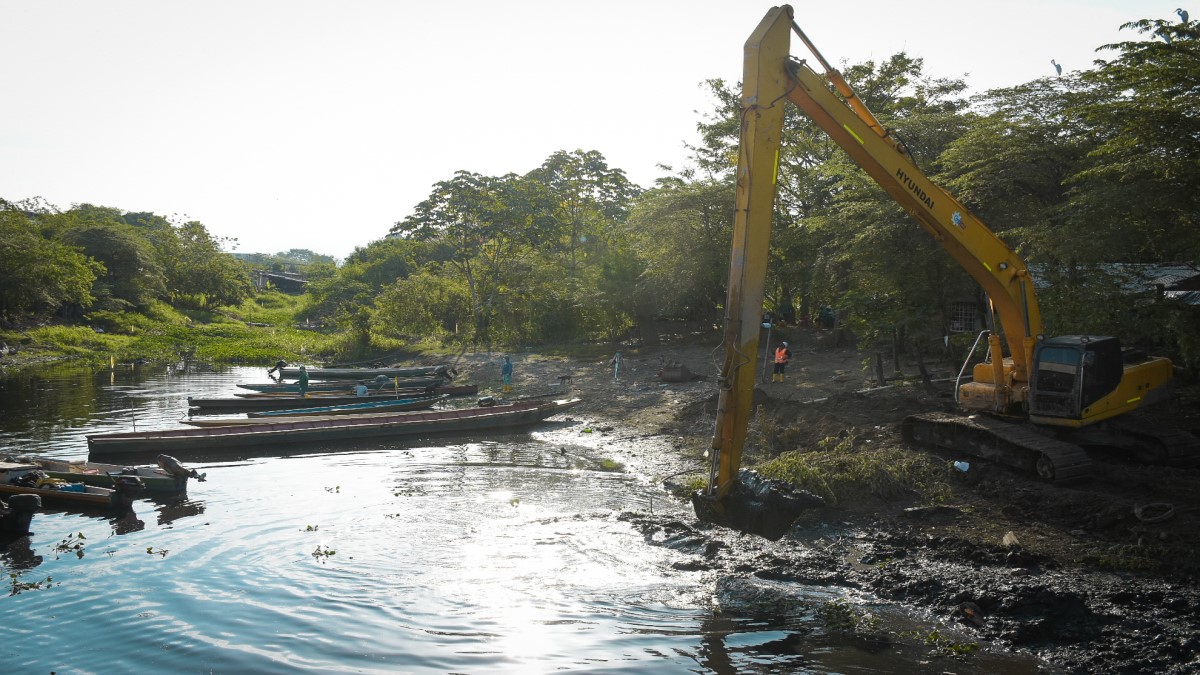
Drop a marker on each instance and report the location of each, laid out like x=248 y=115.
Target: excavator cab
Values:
x=1071 y=372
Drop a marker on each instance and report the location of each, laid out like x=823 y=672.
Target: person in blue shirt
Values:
x=506 y=373
x=303 y=384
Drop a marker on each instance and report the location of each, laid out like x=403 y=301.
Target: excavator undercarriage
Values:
x=1059 y=458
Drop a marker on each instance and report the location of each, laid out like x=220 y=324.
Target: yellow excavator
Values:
x=1076 y=386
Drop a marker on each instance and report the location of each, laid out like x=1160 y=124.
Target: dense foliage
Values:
x=1078 y=173
x=90 y=259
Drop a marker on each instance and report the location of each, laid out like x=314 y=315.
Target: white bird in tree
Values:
x=1183 y=15
x=1057 y=67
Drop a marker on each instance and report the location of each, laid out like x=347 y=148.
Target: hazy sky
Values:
x=303 y=124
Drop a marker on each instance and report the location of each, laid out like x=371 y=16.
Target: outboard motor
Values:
x=128 y=488
x=16 y=516
x=175 y=468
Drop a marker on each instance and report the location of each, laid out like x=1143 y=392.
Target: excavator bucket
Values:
x=756 y=505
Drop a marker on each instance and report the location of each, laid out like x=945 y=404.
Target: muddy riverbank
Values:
x=1097 y=577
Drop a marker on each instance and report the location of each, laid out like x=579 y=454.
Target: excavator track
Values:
x=1157 y=445
x=1009 y=443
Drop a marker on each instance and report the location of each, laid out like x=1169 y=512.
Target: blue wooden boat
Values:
x=392 y=405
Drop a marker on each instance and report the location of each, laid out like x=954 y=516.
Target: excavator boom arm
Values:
x=771 y=77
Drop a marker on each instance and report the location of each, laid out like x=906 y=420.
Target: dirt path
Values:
x=1101 y=577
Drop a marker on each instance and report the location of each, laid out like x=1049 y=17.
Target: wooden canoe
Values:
x=347 y=427
x=345 y=386
x=66 y=494
x=367 y=373
x=245 y=403
x=391 y=406
x=156 y=479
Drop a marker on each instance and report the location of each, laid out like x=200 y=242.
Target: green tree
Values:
x=681 y=231
x=204 y=275
x=584 y=198
x=474 y=217
x=420 y=306
x=39 y=275
x=132 y=274
x=1139 y=187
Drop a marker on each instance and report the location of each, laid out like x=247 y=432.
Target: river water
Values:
x=481 y=555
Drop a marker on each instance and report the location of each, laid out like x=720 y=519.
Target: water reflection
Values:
x=170 y=511
x=126 y=523
x=17 y=554
x=498 y=553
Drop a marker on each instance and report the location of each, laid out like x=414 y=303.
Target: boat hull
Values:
x=350 y=427
x=346 y=386
x=366 y=373
x=400 y=405
x=75 y=496
x=155 y=480
x=248 y=403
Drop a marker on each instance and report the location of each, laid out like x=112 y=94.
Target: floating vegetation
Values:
x=334 y=490
x=159 y=552
x=72 y=543
x=19 y=586
x=842 y=615
x=323 y=553
x=607 y=464
x=942 y=645
x=310 y=528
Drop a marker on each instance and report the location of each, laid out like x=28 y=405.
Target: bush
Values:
x=840 y=471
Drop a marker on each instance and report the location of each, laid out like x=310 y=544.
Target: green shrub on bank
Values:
x=274 y=308
x=162 y=333
x=73 y=340
x=841 y=471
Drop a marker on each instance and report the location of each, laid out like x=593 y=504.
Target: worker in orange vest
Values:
x=782 y=354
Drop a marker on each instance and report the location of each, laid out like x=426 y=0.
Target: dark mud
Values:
x=1100 y=577
x=1075 y=620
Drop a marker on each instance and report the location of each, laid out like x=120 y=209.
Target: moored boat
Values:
x=169 y=477
x=21 y=478
x=344 y=386
x=279 y=402
x=369 y=373
x=383 y=406
x=338 y=428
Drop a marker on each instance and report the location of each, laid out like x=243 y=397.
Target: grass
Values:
x=940 y=644
x=162 y=333
x=841 y=470
x=841 y=615
x=607 y=464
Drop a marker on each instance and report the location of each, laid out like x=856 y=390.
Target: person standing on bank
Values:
x=303 y=384
x=782 y=355
x=506 y=373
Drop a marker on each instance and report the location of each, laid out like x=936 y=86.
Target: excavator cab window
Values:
x=1058 y=370
x=1055 y=382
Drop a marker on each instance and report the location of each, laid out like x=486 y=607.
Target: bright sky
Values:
x=305 y=124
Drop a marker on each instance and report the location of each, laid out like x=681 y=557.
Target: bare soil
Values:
x=1097 y=577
